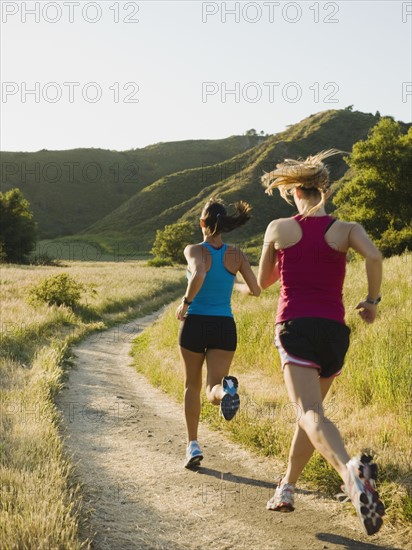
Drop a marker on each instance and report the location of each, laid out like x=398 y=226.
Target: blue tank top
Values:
x=214 y=296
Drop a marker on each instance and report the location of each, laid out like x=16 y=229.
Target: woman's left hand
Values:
x=181 y=311
x=242 y=288
x=367 y=311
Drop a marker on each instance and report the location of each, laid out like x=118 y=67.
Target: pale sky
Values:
x=282 y=61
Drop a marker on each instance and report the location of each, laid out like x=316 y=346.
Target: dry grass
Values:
x=40 y=505
x=371 y=400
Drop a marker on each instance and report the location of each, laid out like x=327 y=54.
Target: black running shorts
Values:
x=199 y=333
x=313 y=342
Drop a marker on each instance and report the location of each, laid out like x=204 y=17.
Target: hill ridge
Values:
x=90 y=183
x=180 y=196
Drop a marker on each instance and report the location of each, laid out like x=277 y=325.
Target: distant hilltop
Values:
x=108 y=195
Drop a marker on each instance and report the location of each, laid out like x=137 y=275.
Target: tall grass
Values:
x=370 y=401
x=40 y=504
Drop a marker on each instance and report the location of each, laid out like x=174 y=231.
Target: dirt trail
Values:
x=127 y=441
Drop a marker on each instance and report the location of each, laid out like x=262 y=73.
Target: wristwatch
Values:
x=186 y=301
x=374 y=302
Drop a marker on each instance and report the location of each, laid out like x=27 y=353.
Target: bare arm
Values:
x=194 y=255
x=359 y=241
x=251 y=286
x=268 y=268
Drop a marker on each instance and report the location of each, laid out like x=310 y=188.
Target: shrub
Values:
x=171 y=241
x=394 y=242
x=159 y=262
x=57 y=290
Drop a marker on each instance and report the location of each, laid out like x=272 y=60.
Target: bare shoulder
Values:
x=339 y=235
x=197 y=257
x=345 y=228
x=355 y=231
x=234 y=256
x=346 y=225
x=277 y=226
x=286 y=222
x=235 y=250
x=280 y=221
x=193 y=250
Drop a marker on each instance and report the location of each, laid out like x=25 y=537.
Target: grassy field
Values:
x=370 y=403
x=40 y=504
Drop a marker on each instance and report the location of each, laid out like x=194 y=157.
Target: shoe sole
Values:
x=229 y=405
x=194 y=462
x=234 y=381
x=368 y=506
x=284 y=508
x=370 y=513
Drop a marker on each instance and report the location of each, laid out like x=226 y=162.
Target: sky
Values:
x=122 y=74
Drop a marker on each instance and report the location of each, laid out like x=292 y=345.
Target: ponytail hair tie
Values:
x=218 y=215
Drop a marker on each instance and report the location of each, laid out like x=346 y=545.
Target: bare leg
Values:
x=301 y=448
x=218 y=363
x=192 y=363
x=304 y=389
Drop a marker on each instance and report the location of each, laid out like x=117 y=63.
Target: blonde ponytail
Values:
x=310 y=174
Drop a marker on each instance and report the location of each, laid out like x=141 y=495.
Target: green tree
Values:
x=171 y=241
x=18 y=231
x=379 y=195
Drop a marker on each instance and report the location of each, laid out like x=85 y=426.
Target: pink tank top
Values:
x=311 y=274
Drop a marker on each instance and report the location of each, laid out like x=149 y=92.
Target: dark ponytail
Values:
x=217 y=219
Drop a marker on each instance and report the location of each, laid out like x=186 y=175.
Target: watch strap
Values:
x=372 y=301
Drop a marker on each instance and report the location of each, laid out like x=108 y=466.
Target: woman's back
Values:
x=214 y=296
x=311 y=270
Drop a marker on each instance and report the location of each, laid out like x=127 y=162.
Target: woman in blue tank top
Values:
x=207 y=329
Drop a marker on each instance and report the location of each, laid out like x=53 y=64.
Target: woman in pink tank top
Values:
x=307 y=253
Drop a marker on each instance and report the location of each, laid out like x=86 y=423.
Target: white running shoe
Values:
x=284 y=498
x=360 y=488
x=194 y=455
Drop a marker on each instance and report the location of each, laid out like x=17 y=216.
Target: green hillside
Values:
x=177 y=197
x=70 y=190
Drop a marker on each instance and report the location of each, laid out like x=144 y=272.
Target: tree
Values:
x=171 y=241
x=18 y=231
x=379 y=195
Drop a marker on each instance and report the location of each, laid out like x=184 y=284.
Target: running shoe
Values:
x=360 y=489
x=284 y=498
x=194 y=455
x=230 y=402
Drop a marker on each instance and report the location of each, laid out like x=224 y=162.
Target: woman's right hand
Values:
x=181 y=311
